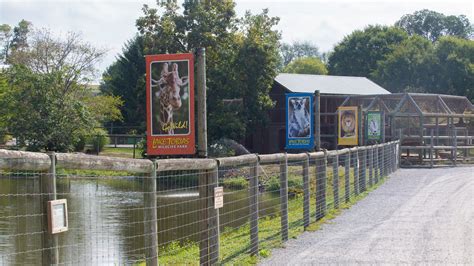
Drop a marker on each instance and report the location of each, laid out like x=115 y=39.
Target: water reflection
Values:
x=105 y=219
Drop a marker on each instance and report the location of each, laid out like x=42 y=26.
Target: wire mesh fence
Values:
x=125 y=211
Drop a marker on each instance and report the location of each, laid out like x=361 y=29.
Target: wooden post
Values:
x=213 y=215
x=284 y=198
x=150 y=218
x=203 y=219
x=356 y=172
x=306 y=192
x=363 y=177
x=383 y=126
x=359 y=130
x=376 y=164
x=347 y=181
x=431 y=148
x=371 y=166
x=400 y=138
x=321 y=187
x=335 y=180
x=455 y=151
x=254 y=209
x=201 y=102
x=317 y=120
x=50 y=249
x=437 y=136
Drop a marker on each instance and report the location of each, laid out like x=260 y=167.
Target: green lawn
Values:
x=235 y=242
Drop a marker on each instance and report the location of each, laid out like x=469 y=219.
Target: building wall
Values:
x=270 y=138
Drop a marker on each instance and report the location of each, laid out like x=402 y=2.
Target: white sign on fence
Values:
x=218 y=197
x=57 y=216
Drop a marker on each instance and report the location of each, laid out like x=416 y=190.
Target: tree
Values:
x=306 y=65
x=290 y=52
x=409 y=67
x=48 y=105
x=455 y=70
x=358 y=53
x=125 y=78
x=432 y=25
x=13 y=40
x=241 y=58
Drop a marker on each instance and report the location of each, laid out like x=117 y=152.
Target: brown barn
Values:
x=333 y=89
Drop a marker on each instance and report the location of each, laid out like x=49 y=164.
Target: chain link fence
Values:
x=130 y=211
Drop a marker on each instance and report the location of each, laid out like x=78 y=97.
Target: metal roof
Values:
x=344 y=85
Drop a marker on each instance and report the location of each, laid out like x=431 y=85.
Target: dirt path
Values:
x=418 y=216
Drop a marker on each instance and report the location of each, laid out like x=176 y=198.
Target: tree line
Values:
x=422 y=52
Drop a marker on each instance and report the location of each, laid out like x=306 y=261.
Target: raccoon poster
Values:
x=299 y=121
x=347 y=126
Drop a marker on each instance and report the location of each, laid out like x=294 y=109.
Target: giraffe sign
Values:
x=170 y=104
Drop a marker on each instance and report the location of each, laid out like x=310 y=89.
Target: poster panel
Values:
x=299 y=121
x=170 y=104
x=347 y=126
x=374 y=126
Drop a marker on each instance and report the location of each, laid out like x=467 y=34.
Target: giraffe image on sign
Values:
x=170 y=104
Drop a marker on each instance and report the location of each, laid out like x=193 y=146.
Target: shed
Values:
x=333 y=89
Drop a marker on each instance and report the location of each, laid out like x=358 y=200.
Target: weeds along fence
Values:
x=130 y=211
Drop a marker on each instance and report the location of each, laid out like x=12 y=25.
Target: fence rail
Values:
x=163 y=211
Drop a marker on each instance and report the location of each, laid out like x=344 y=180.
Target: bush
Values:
x=98 y=139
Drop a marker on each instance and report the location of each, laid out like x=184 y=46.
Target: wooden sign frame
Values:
x=52 y=216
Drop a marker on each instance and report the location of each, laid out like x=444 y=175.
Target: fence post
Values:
x=347 y=181
x=284 y=198
x=203 y=218
x=455 y=151
x=371 y=165
x=306 y=192
x=212 y=178
x=376 y=164
x=321 y=187
x=356 y=171
x=150 y=218
x=400 y=138
x=335 y=180
x=363 y=177
x=50 y=253
x=254 y=208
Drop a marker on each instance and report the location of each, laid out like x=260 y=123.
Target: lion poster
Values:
x=347 y=126
x=299 y=121
x=170 y=104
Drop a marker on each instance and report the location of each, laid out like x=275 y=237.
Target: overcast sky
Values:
x=109 y=23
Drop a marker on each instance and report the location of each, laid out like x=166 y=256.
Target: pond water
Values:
x=106 y=218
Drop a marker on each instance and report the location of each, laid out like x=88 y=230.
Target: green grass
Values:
x=121 y=152
x=235 y=242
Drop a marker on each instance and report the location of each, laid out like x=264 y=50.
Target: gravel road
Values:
x=418 y=216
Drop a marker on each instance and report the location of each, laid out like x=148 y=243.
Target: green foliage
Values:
x=98 y=138
x=306 y=65
x=408 y=67
x=445 y=67
x=455 y=71
x=125 y=78
x=241 y=61
x=239 y=182
x=290 y=52
x=13 y=40
x=359 y=52
x=433 y=25
x=47 y=105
